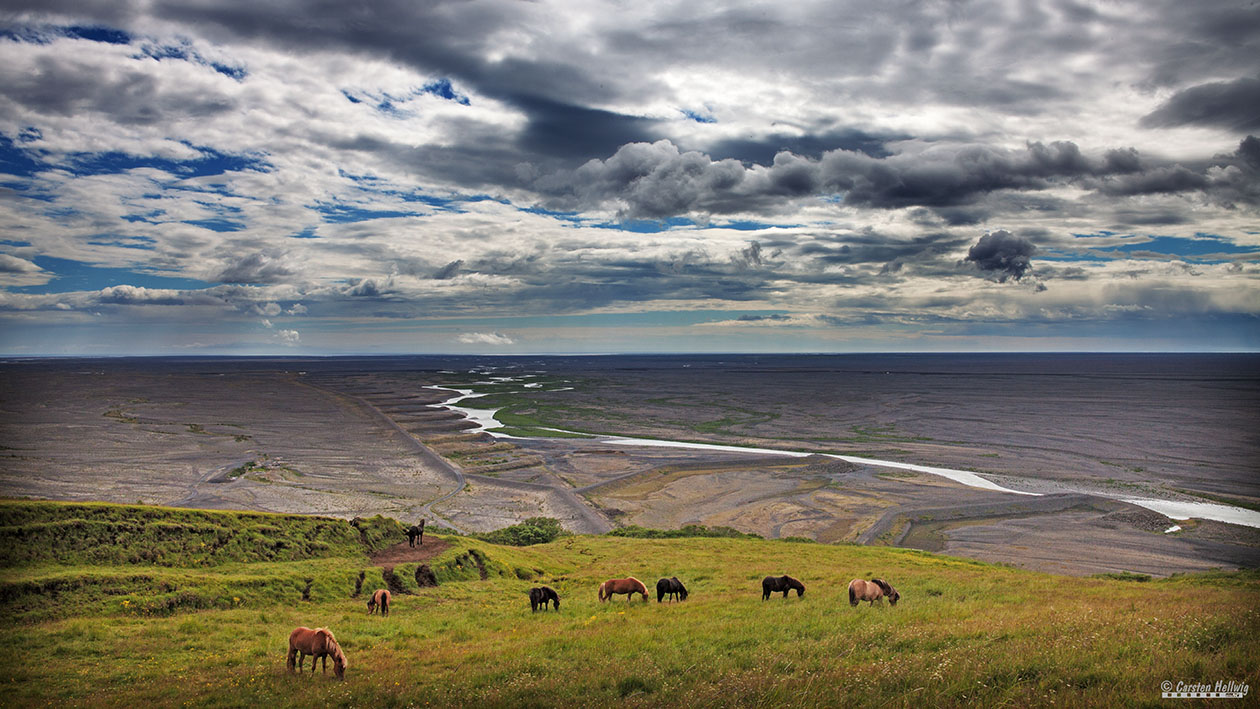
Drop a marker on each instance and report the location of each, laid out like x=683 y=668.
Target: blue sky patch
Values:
x=346 y=214
x=144 y=243
x=698 y=117
x=220 y=225
x=211 y=163
x=574 y=217
x=647 y=226
x=15 y=160
x=185 y=52
x=73 y=276
x=747 y=225
x=392 y=105
x=97 y=33
x=442 y=88
x=1204 y=248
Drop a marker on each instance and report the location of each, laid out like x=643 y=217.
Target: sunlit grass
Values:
x=964 y=632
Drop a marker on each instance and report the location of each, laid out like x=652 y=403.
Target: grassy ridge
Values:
x=33 y=532
x=964 y=632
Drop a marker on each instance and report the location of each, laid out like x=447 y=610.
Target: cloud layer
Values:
x=560 y=176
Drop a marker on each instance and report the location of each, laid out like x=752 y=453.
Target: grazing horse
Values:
x=540 y=595
x=773 y=584
x=379 y=599
x=415 y=532
x=629 y=586
x=671 y=587
x=319 y=644
x=873 y=590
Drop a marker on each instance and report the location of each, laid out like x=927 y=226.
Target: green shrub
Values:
x=535 y=530
x=92 y=533
x=690 y=530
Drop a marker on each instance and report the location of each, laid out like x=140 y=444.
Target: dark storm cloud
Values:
x=66 y=86
x=762 y=151
x=444 y=38
x=1002 y=254
x=871 y=247
x=1210 y=40
x=258 y=267
x=1233 y=104
x=367 y=288
x=559 y=129
x=449 y=270
x=657 y=180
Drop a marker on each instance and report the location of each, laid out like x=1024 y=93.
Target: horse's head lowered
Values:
x=889 y=592
x=340 y=663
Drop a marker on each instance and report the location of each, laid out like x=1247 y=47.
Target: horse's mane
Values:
x=883 y=586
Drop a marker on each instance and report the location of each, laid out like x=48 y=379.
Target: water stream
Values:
x=1173 y=509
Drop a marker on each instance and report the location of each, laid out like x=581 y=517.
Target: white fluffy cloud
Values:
x=837 y=161
x=485 y=338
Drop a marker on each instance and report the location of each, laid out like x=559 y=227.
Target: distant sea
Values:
x=1240 y=366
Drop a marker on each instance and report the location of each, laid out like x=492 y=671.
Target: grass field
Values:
x=965 y=632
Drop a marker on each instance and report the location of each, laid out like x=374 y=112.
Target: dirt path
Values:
x=401 y=553
x=424 y=453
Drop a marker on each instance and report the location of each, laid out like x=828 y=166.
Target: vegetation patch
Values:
x=689 y=530
x=33 y=532
x=535 y=530
x=963 y=633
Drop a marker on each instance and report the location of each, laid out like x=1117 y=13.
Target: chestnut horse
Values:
x=318 y=643
x=774 y=584
x=379 y=599
x=628 y=586
x=873 y=590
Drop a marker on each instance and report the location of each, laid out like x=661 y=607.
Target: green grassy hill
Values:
x=104 y=622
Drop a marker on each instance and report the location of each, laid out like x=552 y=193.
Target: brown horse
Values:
x=628 y=586
x=774 y=584
x=319 y=644
x=414 y=532
x=379 y=599
x=873 y=590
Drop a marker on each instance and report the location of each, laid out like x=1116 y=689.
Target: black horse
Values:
x=539 y=595
x=414 y=532
x=671 y=587
x=772 y=584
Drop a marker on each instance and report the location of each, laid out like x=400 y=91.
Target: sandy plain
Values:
x=358 y=437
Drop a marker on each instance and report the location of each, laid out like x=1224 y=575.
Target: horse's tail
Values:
x=385 y=603
x=852 y=596
x=883 y=586
x=601 y=591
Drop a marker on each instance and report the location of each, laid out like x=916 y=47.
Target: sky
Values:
x=392 y=176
